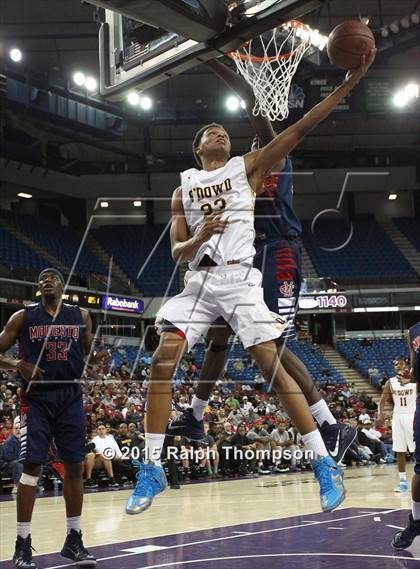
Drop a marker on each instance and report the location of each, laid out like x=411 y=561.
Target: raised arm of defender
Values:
x=183 y=246
x=260 y=163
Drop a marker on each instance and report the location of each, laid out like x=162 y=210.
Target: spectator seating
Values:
x=315 y=362
x=369 y=256
x=410 y=227
x=61 y=242
x=380 y=354
x=13 y=252
x=131 y=245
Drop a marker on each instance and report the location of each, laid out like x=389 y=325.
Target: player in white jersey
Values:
x=401 y=392
x=279 y=258
x=213 y=229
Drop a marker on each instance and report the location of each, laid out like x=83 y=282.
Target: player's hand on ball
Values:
x=354 y=75
x=213 y=224
x=30 y=371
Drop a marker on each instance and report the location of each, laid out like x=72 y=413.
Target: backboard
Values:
x=145 y=42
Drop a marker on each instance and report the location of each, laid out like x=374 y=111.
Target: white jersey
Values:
x=404 y=396
x=225 y=189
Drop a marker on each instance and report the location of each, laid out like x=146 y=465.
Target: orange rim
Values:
x=258 y=59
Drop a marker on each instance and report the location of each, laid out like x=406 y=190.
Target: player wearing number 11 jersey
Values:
x=53 y=338
x=402 y=393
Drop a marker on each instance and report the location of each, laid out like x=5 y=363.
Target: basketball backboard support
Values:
x=141 y=45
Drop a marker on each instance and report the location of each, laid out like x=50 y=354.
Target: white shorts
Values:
x=232 y=292
x=403 y=432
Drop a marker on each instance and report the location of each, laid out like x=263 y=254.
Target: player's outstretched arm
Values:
x=183 y=246
x=259 y=163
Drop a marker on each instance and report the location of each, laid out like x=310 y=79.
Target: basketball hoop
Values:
x=268 y=70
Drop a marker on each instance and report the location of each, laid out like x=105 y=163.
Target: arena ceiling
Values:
x=57 y=38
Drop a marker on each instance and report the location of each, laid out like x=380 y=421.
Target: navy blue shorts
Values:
x=417 y=436
x=49 y=415
x=281 y=265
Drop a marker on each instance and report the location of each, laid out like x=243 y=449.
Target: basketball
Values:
x=348 y=42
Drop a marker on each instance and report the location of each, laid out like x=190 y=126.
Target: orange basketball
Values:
x=348 y=42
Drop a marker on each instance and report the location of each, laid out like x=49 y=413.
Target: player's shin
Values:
x=159 y=397
x=26 y=494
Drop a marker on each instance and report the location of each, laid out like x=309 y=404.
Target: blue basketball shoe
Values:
x=151 y=480
x=402 y=487
x=330 y=478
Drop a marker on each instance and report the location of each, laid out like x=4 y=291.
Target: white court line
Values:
x=224 y=538
x=336 y=528
x=144 y=549
x=242 y=532
x=394 y=527
x=172 y=564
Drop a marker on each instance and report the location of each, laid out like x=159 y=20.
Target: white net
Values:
x=268 y=64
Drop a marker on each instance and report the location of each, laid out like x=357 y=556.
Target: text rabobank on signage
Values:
x=123 y=304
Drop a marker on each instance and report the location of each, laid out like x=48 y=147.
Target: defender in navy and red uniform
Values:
x=277 y=245
x=405 y=537
x=278 y=256
x=53 y=338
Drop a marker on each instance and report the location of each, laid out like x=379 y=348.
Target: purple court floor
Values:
x=345 y=539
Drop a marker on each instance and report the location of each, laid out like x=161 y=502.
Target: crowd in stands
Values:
x=240 y=416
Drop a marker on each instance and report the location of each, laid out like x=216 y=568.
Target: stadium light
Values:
x=394 y=27
x=79 y=78
x=104 y=204
x=400 y=99
x=15 y=55
x=314 y=37
x=91 y=84
x=392 y=196
x=404 y=96
x=405 y=22
x=412 y=90
x=133 y=98
x=232 y=104
x=146 y=103
x=24 y=195
x=137 y=203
